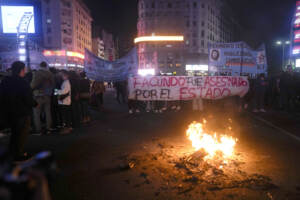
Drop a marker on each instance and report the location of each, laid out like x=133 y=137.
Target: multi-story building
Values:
x=66 y=25
x=200 y=22
x=98 y=47
x=104 y=44
x=160 y=36
x=294 y=52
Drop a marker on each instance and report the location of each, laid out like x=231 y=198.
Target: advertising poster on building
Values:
x=102 y=70
x=236 y=58
x=174 y=88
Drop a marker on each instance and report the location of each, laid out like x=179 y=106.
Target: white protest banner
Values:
x=173 y=88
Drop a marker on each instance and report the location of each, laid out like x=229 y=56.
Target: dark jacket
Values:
x=42 y=83
x=16 y=98
x=84 y=86
x=260 y=86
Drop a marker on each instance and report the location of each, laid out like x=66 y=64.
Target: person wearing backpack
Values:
x=42 y=85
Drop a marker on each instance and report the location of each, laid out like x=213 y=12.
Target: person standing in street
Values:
x=42 y=85
x=84 y=97
x=98 y=89
x=16 y=103
x=260 y=87
x=121 y=88
x=64 y=102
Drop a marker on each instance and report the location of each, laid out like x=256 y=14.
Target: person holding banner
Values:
x=198 y=104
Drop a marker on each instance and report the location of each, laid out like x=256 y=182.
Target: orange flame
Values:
x=211 y=144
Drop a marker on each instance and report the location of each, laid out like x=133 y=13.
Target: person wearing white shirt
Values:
x=64 y=102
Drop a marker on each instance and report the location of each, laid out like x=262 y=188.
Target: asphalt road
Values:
x=93 y=160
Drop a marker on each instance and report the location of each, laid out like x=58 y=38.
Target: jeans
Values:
x=75 y=111
x=84 y=109
x=20 y=128
x=44 y=103
x=121 y=93
x=259 y=100
x=99 y=100
x=66 y=115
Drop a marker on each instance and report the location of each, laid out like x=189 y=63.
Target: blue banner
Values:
x=101 y=70
x=236 y=59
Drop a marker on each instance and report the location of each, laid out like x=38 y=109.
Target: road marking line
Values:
x=276 y=127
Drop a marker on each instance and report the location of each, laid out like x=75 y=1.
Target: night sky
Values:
x=264 y=21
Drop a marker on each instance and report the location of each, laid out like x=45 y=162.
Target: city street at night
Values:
x=149 y=100
x=122 y=156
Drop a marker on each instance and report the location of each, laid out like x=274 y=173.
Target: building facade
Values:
x=156 y=20
x=66 y=25
x=104 y=45
x=294 y=52
x=200 y=22
x=98 y=47
x=67 y=32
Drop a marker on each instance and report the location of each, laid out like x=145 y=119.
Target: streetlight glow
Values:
x=279 y=42
x=287 y=42
x=158 y=38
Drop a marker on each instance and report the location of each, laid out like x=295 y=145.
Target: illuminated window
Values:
x=178 y=65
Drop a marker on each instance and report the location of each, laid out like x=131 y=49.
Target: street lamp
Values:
x=283 y=44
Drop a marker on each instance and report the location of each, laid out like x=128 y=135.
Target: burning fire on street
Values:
x=208 y=162
x=214 y=145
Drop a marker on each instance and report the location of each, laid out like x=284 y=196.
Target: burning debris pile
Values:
x=212 y=165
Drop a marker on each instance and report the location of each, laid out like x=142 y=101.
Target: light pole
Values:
x=283 y=44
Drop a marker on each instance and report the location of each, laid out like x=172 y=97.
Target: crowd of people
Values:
x=280 y=91
x=48 y=101
x=44 y=101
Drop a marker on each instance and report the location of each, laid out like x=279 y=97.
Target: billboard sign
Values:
x=12 y=15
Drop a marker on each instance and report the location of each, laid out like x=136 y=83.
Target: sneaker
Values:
x=262 y=110
x=160 y=111
x=130 y=112
x=173 y=107
x=178 y=108
x=137 y=111
x=255 y=111
x=147 y=111
x=164 y=108
x=156 y=111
